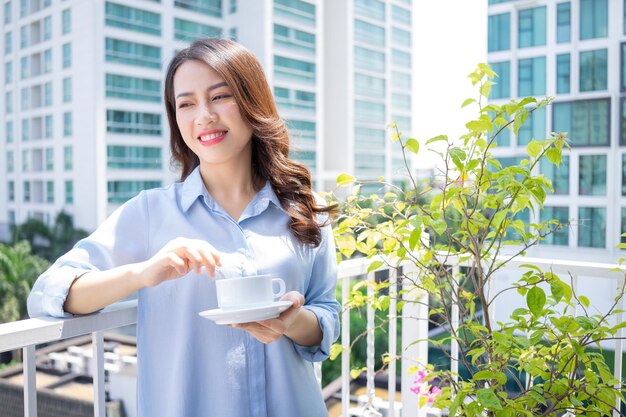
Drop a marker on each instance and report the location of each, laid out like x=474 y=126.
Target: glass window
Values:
x=532 y=27
x=373 y=164
x=365 y=85
x=592 y=227
x=623 y=174
x=47 y=94
x=48 y=132
x=594 y=19
x=400 y=15
x=11 y=190
x=23 y=36
x=499 y=32
x=133 y=53
x=67 y=124
x=67 y=90
x=367 y=111
x=131 y=18
x=402 y=122
x=69 y=192
x=25 y=130
x=502 y=86
x=133 y=88
x=8 y=129
x=26 y=186
x=533 y=128
x=134 y=157
x=233 y=7
x=49 y=159
x=296 y=10
x=8 y=100
x=369 y=60
x=232 y=34
x=563 y=73
x=188 y=31
x=563 y=22
x=586 y=121
x=623 y=238
x=400 y=81
x=50 y=192
x=122 y=191
x=294 y=69
x=368 y=33
x=398 y=59
x=592 y=175
x=305 y=157
x=559 y=176
x=10 y=162
x=8 y=12
x=67 y=55
x=208 y=7
x=8 y=72
x=593 y=70
x=68 y=158
x=561 y=236
x=24 y=68
x=294 y=39
x=8 y=43
x=294 y=99
x=401 y=37
x=66 y=21
x=532 y=77
x=47 y=61
x=370 y=8
x=370 y=139
x=134 y=123
x=25 y=98
x=302 y=131
x=47 y=28
x=401 y=101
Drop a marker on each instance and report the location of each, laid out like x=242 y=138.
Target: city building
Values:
x=83 y=127
x=572 y=51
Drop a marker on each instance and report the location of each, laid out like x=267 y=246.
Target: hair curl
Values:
x=243 y=73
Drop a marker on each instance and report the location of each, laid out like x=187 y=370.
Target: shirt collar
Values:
x=193 y=188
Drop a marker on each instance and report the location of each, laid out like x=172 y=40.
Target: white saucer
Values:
x=246 y=315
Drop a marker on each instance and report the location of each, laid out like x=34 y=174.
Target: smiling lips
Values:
x=212 y=138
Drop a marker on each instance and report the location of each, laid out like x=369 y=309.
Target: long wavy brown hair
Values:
x=243 y=73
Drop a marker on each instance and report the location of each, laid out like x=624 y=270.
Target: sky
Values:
x=450 y=40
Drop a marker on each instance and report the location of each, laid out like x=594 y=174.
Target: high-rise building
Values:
x=83 y=126
x=573 y=51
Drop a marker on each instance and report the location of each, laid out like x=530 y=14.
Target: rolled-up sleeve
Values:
x=321 y=299
x=120 y=240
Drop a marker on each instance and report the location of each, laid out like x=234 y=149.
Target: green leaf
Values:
x=335 y=350
x=584 y=301
x=556 y=287
x=437 y=139
x=375 y=265
x=345 y=179
x=468 y=102
x=533 y=148
x=479 y=125
x=488 y=399
x=415 y=237
x=412 y=145
x=346 y=244
x=554 y=156
x=536 y=299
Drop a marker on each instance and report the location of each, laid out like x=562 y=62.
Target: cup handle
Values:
x=281 y=287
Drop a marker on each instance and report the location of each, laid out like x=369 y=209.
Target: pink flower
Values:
x=427 y=393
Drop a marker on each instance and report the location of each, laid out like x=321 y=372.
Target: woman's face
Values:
x=208 y=116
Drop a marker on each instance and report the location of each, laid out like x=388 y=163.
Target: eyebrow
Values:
x=213 y=87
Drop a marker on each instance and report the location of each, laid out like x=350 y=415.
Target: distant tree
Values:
x=49 y=242
x=19 y=269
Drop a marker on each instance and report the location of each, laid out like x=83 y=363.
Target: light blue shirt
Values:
x=189 y=366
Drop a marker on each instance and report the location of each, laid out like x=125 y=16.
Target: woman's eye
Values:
x=221 y=96
x=182 y=105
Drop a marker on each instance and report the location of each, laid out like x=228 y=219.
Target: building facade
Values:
x=572 y=51
x=83 y=125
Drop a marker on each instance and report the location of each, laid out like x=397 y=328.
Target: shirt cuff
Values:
x=48 y=298
x=320 y=352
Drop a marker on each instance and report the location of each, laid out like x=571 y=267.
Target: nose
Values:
x=205 y=115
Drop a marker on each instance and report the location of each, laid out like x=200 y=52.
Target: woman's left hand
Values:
x=267 y=331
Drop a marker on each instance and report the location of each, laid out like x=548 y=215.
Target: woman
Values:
x=241 y=205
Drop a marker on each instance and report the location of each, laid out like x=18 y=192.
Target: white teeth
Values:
x=207 y=138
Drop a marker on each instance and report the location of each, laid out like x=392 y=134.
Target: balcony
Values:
x=26 y=334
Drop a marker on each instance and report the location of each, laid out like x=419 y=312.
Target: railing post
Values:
x=369 y=409
x=99 y=401
x=393 y=344
x=345 y=343
x=619 y=347
x=414 y=327
x=30 y=383
x=454 y=344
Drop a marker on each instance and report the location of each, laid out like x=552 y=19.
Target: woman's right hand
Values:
x=177 y=258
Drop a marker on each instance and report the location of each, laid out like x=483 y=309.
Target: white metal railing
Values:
x=26 y=334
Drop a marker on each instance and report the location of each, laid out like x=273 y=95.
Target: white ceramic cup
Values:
x=244 y=292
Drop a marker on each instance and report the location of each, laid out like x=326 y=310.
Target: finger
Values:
x=178 y=264
x=295 y=297
x=194 y=258
x=208 y=261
